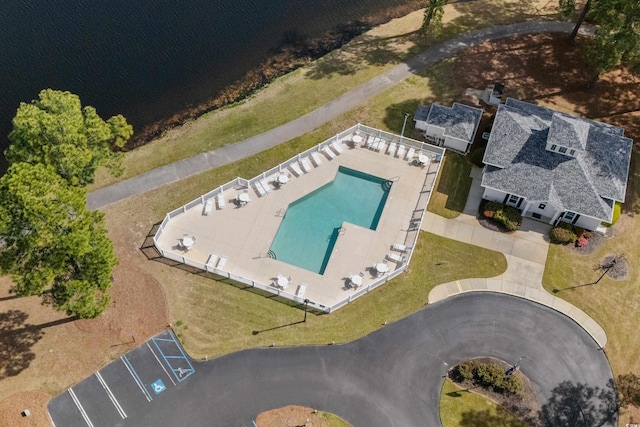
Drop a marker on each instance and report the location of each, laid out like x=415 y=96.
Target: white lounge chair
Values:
x=382 y=145
x=213 y=259
x=395 y=257
x=401 y=248
x=400 y=152
x=392 y=148
x=371 y=141
x=220 y=200
x=327 y=151
x=316 y=159
x=221 y=262
x=295 y=168
x=336 y=147
x=259 y=189
x=208 y=207
x=410 y=153
x=306 y=164
x=265 y=185
x=301 y=290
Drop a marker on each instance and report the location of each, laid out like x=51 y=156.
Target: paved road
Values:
x=391 y=377
x=233 y=152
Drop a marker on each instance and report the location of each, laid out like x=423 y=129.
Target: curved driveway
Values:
x=391 y=377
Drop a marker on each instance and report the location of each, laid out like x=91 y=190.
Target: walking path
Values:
x=526 y=253
x=526 y=250
x=233 y=152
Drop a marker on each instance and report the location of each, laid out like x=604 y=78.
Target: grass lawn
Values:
x=452 y=186
x=220 y=318
x=460 y=408
x=305 y=89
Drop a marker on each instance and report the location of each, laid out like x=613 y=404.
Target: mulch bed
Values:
x=596 y=240
x=524 y=405
x=490 y=223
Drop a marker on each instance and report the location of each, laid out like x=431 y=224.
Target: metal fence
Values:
x=359 y=129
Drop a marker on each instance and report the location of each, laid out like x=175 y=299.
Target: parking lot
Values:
x=128 y=386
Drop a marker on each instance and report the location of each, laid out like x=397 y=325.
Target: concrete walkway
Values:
x=526 y=252
x=233 y=152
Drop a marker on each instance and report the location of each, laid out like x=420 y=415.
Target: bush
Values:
x=492 y=375
x=582 y=241
x=464 y=371
x=509 y=217
x=476 y=157
x=617 y=208
x=563 y=233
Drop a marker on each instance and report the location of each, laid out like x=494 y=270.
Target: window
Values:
x=513 y=198
x=536 y=216
x=553 y=147
x=572 y=152
x=568 y=216
x=542 y=206
x=562 y=150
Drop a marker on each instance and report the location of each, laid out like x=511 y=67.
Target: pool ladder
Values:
x=271 y=254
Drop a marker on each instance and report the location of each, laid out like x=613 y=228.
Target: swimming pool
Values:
x=310 y=227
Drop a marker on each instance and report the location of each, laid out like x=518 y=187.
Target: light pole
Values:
x=406 y=116
x=607 y=268
x=306 y=304
x=514 y=368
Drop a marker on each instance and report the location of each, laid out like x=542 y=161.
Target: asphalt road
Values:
x=391 y=377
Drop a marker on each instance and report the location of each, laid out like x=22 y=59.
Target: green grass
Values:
x=305 y=89
x=452 y=186
x=334 y=420
x=461 y=408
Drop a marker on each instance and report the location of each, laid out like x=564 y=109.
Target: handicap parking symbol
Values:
x=158 y=387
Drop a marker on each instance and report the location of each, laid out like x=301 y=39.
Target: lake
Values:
x=148 y=59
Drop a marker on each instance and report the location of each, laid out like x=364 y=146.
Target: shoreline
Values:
x=293 y=52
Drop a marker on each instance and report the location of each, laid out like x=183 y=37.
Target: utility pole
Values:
x=406 y=116
x=306 y=304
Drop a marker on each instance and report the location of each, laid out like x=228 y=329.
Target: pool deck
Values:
x=244 y=234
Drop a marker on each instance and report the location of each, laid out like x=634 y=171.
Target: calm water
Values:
x=148 y=59
x=309 y=230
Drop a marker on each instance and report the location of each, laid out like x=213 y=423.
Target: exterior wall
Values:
x=495 y=195
x=434 y=131
x=587 y=222
x=549 y=211
x=456 y=144
x=421 y=125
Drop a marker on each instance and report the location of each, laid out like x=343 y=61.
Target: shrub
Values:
x=492 y=375
x=509 y=217
x=464 y=371
x=562 y=234
x=476 y=157
x=582 y=241
x=617 y=208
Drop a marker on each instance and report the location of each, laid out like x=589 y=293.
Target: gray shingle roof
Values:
x=520 y=164
x=421 y=113
x=568 y=132
x=459 y=121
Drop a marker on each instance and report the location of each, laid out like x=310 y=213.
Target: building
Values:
x=554 y=166
x=451 y=127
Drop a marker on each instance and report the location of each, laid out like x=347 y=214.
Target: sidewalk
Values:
x=526 y=253
x=195 y=165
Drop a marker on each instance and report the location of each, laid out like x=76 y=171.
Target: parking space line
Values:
x=111 y=396
x=160 y=363
x=80 y=408
x=136 y=378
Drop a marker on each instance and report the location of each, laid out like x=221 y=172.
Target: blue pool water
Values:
x=309 y=229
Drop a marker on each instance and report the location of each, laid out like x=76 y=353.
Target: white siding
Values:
x=495 y=195
x=421 y=125
x=434 y=131
x=456 y=144
x=587 y=222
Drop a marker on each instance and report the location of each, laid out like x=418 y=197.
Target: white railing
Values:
x=245 y=183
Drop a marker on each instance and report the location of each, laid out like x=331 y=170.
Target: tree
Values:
x=629 y=389
x=617 y=39
x=56 y=130
x=567 y=9
x=576 y=405
x=433 y=16
x=50 y=244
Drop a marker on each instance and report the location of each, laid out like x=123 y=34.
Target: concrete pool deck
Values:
x=244 y=234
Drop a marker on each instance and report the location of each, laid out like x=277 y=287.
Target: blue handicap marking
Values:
x=158 y=387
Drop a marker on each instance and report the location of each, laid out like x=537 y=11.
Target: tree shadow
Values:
x=485 y=418
x=395 y=114
x=576 y=405
x=16 y=341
